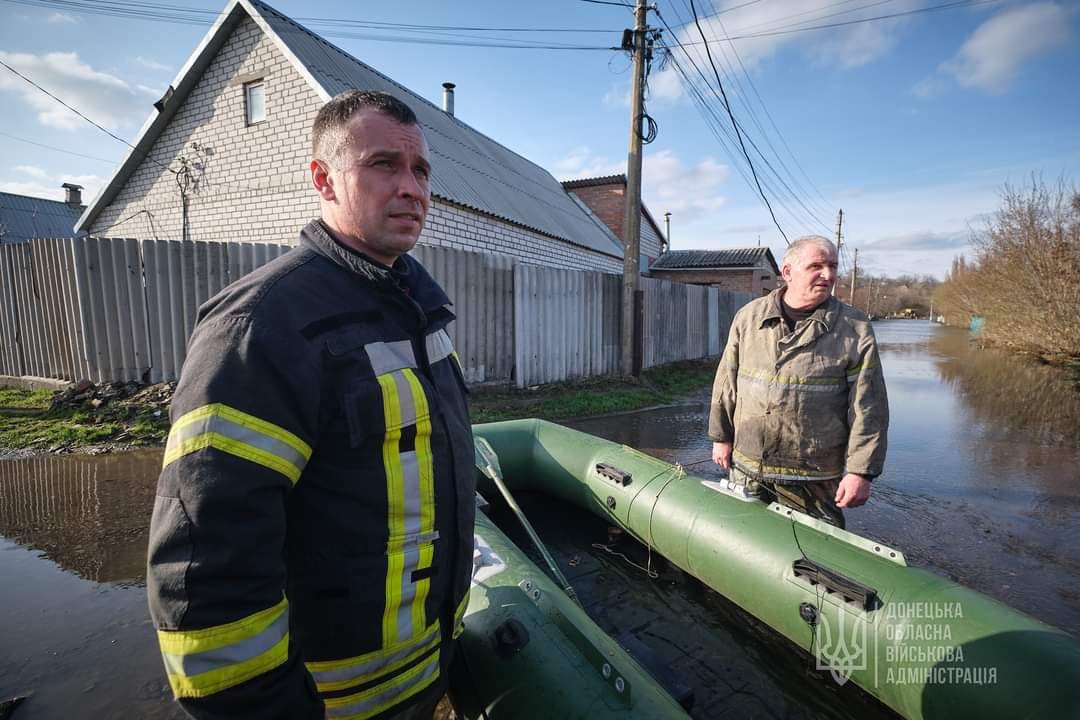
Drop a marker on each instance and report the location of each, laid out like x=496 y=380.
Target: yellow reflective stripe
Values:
x=853 y=372
x=234 y=447
x=237 y=433
x=180 y=647
x=184 y=642
x=395 y=515
x=214 y=681
x=779 y=472
x=379 y=698
x=426 y=464
x=789 y=379
x=338 y=674
x=459 y=615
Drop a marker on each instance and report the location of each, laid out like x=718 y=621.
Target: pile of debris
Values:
x=87 y=395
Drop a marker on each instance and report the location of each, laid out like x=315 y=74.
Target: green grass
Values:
x=27 y=423
x=596 y=396
x=25 y=399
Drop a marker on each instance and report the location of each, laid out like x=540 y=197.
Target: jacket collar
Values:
x=825 y=315
x=406 y=274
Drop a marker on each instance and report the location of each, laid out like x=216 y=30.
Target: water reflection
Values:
x=90 y=515
x=1010 y=394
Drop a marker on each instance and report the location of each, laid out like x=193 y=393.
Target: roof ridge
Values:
x=264 y=6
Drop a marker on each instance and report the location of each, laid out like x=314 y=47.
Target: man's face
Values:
x=810 y=277
x=376 y=198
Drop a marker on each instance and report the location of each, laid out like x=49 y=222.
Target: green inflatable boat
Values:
x=923 y=645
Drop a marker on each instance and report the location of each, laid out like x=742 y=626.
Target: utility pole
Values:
x=632 y=223
x=839 y=224
x=854 y=275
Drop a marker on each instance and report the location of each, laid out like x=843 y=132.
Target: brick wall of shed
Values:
x=255 y=184
x=735 y=280
x=608 y=202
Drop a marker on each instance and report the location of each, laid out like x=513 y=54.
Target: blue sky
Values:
x=911 y=124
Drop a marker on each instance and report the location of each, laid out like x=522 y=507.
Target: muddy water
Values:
x=981 y=485
x=75 y=635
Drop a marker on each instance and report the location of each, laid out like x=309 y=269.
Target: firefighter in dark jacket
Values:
x=311 y=544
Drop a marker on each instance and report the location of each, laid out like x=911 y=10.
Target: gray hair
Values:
x=796 y=248
x=329 y=135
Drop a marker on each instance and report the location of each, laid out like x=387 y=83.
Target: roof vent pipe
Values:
x=448 y=98
x=72 y=194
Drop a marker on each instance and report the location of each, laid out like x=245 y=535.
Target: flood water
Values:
x=981 y=485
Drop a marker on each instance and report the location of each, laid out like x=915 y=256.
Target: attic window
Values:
x=255 y=101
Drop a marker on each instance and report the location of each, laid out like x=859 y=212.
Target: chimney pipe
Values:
x=72 y=194
x=448 y=98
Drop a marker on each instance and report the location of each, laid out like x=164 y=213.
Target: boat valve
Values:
x=809 y=613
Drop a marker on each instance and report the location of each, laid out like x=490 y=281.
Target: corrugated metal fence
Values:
x=119 y=309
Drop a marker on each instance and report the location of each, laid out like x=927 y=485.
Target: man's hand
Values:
x=721 y=455
x=854 y=490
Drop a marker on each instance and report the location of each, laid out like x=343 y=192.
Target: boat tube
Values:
x=530 y=653
x=923 y=645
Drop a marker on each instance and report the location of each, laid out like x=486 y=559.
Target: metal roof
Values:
x=23 y=218
x=707 y=259
x=468 y=168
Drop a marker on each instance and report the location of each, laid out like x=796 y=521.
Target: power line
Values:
x=765 y=135
x=110 y=134
x=770 y=33
x=61 y=150
x=738 y=133
x=177 y=16
x=606 y=2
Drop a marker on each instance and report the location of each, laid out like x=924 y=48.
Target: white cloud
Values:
x=668 y=185
x=990 y=59
x=45 y=185
x=152 y=64
x=687 y=192
x=105 y=98
x=59 y=18
x=582 y=163
x=665 y=87
x=843 y=47
x=31 y=170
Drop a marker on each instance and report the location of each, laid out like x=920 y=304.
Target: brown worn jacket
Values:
x=810 y=405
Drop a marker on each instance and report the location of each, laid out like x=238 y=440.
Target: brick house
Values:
x=605 y=199
x=740 y=269
x=225 y=156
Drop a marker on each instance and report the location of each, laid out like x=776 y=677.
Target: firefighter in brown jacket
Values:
x=799 y=410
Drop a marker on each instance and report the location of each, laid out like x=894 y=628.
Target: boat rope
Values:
x=608 y=549
x=819 y=595
x=678 y=473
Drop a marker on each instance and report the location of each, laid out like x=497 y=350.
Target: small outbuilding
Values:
x=751 y=269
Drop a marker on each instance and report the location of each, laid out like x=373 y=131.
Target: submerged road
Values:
x=982 y=484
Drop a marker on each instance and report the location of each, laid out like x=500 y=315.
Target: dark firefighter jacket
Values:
x=311 y=543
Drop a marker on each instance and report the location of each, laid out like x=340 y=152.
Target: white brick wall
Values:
x=450 y=226
x=254 y=184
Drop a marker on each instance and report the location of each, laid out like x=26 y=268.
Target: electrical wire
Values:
x=60 y=150
x=107 y=132
x=738 y=133
x=812 y=214
x=826 y=26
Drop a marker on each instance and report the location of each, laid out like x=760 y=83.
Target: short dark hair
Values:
x=328 y=135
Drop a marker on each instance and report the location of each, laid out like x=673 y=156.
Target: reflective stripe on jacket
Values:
x=311 y=545
x=805 y=405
